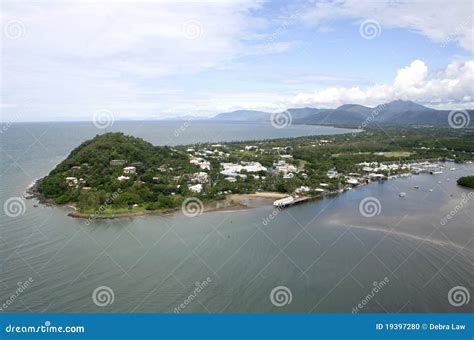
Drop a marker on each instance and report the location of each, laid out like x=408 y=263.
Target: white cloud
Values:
x=442 y=22
x=452 y=87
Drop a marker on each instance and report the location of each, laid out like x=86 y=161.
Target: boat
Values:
x=416 y=187
x=435 y=172
x=402 y=194
x=431 y=190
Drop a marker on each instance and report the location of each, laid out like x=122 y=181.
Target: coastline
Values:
x=232 y=202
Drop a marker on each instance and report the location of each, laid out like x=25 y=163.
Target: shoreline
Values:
x=232 y=202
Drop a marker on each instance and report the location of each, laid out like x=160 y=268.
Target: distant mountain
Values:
x=398 y=112
x=244 y=115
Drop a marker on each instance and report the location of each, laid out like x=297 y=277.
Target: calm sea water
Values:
x=325 y=253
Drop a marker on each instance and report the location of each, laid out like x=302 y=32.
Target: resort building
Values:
x=196 y=188
x=130 y=170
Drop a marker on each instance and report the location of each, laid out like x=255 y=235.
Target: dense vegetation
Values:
x=467 y=181
x=91 y=162
x=164 y=174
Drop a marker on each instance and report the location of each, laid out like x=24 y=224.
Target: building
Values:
x=332 y=173
x=131 y=170
x=201 y=162
x=71 y=181
x=302 y=189
x=282 y=166
x=196 y=188
x=118 y=162
x=123 y=178
x=200 y=177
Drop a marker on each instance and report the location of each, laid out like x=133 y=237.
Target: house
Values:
x=196 y=188
x=118 y=162
x=201 y=162
x=200 y=177
x=122 y=178
x=129 y=170
x=282 y=166
x=71 y=181
x=352 y=181
x=332 y=173
x=302 y=189
x=230 y=179
x=288 y=176
x=253 y=167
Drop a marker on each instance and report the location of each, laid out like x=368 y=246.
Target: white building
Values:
x=130 y=170
x=200 y=177
x=123 y=178
x=201 y=162
x=302 y=189
x=71 y=181
x=332 y=174
x=196 y=188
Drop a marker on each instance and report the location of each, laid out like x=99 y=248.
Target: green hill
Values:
x=95 y=171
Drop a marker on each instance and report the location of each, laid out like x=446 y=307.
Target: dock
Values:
x=290 y=200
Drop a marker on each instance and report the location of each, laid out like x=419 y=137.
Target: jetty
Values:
x=290 y=200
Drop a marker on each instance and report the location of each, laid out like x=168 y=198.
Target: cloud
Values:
x=441 y=22
x=449 y=87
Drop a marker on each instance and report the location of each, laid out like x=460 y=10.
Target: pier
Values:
x=290 y=200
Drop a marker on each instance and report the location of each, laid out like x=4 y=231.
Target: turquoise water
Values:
x=325 y=252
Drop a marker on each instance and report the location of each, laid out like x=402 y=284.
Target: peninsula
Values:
x=123 y=175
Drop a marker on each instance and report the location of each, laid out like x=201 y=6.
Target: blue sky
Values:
x=157 y=59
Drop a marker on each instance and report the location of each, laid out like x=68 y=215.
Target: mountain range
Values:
x=398 y=112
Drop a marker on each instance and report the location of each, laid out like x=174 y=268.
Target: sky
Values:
x=68 y=60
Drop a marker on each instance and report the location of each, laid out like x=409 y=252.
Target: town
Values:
x=159 y=178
